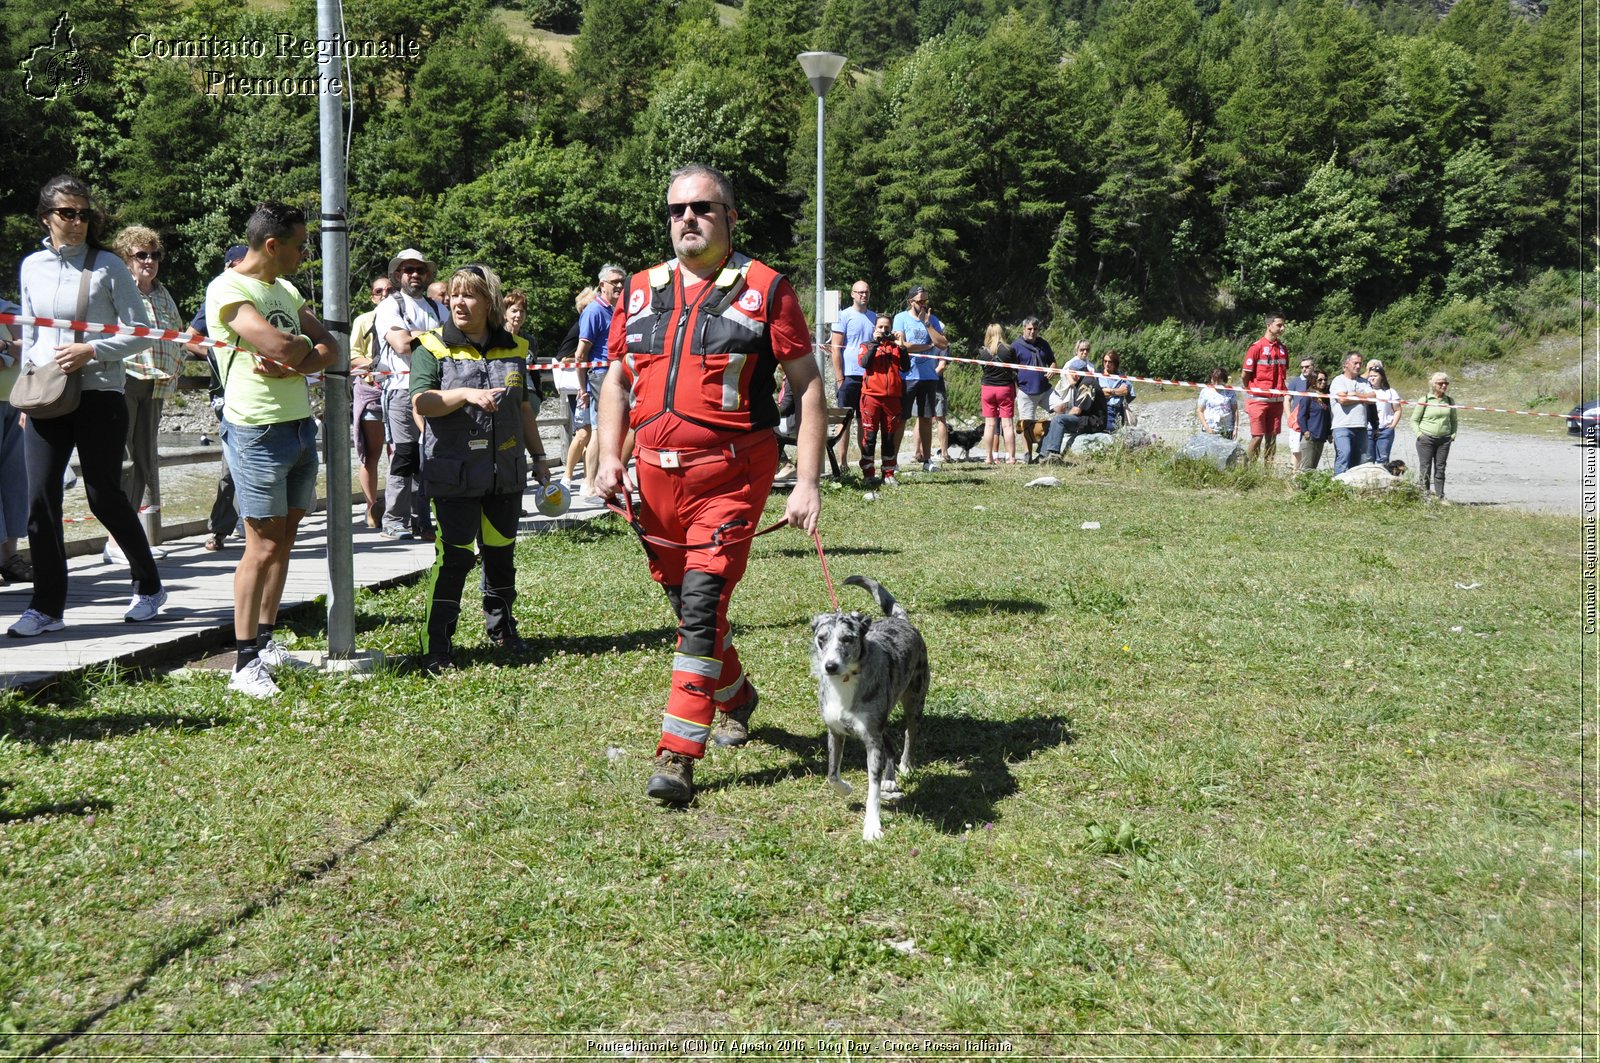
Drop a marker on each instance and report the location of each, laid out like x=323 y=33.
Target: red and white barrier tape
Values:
x=192 y=337
x=1248 y=392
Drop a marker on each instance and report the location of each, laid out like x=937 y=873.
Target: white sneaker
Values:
x=253 y=680
x=111 y=553
x=145 y=607
x=930 y=466
x=32 y=622
x=275 y=657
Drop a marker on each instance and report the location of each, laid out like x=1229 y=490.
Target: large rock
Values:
x=1132 y=437
x=1215 y=451
x=1093 y=443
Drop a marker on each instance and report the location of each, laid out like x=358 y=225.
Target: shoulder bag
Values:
x=42 y=390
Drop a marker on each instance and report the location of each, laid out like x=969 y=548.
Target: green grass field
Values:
x=1241 y=772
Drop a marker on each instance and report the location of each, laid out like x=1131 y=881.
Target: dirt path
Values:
x=1541 y=472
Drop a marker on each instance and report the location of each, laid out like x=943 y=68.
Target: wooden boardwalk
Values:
x=199 y=613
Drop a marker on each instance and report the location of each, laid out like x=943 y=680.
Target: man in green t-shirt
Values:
x=268 y=436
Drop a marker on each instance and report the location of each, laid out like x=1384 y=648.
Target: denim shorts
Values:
x=582 y=413
x=274 y=466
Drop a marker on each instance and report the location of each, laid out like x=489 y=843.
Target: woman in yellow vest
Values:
x=469 y=383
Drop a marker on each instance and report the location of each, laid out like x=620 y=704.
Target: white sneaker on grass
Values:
x=274 y=657
x=253 y=680
x=32 y=622
x=145 y=607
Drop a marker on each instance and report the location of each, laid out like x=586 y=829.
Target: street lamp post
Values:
x=821 y=69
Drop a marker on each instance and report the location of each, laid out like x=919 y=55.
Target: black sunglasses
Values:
x=70 y=213
x=701 y=207
x=148 y=256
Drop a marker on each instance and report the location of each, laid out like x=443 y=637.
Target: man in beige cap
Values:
x=401 y=318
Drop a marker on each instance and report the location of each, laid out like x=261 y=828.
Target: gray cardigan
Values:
x=50 y=289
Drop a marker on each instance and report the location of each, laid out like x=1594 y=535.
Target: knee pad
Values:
x=700 y=597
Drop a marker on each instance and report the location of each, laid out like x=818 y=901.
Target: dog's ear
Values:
x=817 y=622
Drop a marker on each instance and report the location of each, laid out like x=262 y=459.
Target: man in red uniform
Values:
x=694 y=346
x=1266 y=365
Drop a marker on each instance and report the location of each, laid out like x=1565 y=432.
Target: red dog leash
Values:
x=718 y=538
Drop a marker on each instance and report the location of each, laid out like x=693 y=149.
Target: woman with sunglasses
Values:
x=1315 y=419
x=98 y=428
x=152 y=380
x=1433 y=418
x=469 y=384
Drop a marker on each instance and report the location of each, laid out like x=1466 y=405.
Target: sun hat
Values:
x=411 y=254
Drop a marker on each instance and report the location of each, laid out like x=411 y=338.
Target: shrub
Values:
x=1169 y=350
x=1186 y=472
x=1318 y=488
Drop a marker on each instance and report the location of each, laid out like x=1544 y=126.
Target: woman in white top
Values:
x=1217 y=409
x=72 y=261
x=1382 y=440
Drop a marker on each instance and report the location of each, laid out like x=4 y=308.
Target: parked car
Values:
x=1584 y=421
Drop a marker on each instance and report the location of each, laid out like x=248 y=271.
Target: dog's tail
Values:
x=886 y=600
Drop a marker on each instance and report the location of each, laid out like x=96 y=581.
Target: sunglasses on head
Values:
x=700 y=207
x=148 y=256
x=70 y=213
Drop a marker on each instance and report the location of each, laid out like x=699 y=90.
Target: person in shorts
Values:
x=366 y=401
x=269 y=438
x=1034 y=356
x=920 y=332
x=1266 y=369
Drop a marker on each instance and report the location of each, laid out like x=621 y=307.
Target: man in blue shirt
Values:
x=594 y=327
x=854 y=327
x=920 y=332
x=1033 y=384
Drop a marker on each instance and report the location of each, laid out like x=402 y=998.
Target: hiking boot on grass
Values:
x=733 y=728
x=673 y=781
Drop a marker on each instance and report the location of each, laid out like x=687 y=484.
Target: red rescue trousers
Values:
x=692 y=496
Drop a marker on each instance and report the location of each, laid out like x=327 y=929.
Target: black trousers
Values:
x=98 y=428
x=490 y=523
x=224 y=514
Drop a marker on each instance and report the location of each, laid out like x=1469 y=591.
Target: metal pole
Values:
x=822 y=329
x=336 y=315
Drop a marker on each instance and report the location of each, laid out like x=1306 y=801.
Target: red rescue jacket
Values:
x=710 y=361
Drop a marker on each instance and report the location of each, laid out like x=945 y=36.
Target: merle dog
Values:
x=863 y=666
